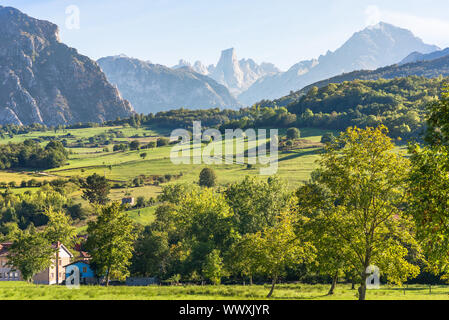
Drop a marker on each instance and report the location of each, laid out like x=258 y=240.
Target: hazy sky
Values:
x=279 y=31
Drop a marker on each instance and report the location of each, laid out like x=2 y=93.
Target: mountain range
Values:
x=374 y=47
x=418 y=56
x=236 y=75
x=44 y=81
x=152 y=88
x=426 y=68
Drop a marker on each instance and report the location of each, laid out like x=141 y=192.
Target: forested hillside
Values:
x=399 y=104
x=429 y=69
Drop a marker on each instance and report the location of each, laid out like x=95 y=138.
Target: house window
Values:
x=52 y=276
x=60 y=262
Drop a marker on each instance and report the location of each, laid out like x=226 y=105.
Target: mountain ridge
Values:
x=153 y=88
x=44 y=81
x=370 y=48
x=428 y=69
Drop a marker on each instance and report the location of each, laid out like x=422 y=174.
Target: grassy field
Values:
x=295 y=165
x=24 y=291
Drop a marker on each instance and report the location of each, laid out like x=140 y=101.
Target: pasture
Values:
x=295 y=164
x=24 y=291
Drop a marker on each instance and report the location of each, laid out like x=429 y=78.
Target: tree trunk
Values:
x=334 y=284
x=362 y=289
x=273 y=283
x=250 y=280
x=107 y=278
x=352 y=284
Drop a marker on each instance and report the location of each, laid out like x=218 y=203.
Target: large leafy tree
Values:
x=429 y=186
x=110 y=242
x=332 y=256
x=204 y=221
x=152 y=253
x=256 y=203
x=195 y=222
x=96 y=189
x=365 y=180
x=31 y=253
x=59 y=228
x=243 y=259
x=277 y=247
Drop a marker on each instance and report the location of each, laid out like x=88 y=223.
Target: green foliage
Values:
x=151 y=254
x=208 y=178
x=328 y=138
x=30 y=154
x=31 y=253
x=213 y=268
x=365 y=182
x=256 y=203
x=438 y=119
x=110 y=242
x=278 y=247
x=134 y=145
x=96 y=189
x=28 y=208
x=293 y=133
x=196 y=223
x=161 y=142
x=59 y=228
x=143 y=155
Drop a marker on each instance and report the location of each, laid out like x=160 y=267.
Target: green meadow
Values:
x=25 y=291
x=295 y=165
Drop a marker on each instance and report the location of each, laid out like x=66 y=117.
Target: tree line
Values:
x=366 y=204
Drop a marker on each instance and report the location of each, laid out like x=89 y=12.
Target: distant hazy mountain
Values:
x=44 y=81
x=198 y=67
x=153 y=88
x=428 y=69
x=236 y=75
x=418 y=56
x=371 y=48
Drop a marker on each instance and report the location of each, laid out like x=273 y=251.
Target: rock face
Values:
x=371 y=48
x=153 y=88
x=237 y=75
x=198 y=67
x=44 y=81
x=418 y=56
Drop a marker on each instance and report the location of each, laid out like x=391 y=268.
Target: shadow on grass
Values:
x=294 y=155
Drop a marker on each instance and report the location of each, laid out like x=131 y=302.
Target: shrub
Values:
x=208 y=178
x=293 y=133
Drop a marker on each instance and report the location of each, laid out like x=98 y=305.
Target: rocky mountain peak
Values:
x=44 y=81
x=375 y=46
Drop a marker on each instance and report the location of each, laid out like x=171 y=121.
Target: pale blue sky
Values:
x=279 y=31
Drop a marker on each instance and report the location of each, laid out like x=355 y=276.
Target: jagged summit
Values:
x=154 y=88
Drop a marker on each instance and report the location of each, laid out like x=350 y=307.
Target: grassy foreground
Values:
x=24 y=291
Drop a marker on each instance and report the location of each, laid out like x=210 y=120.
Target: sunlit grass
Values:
x=23 y=291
